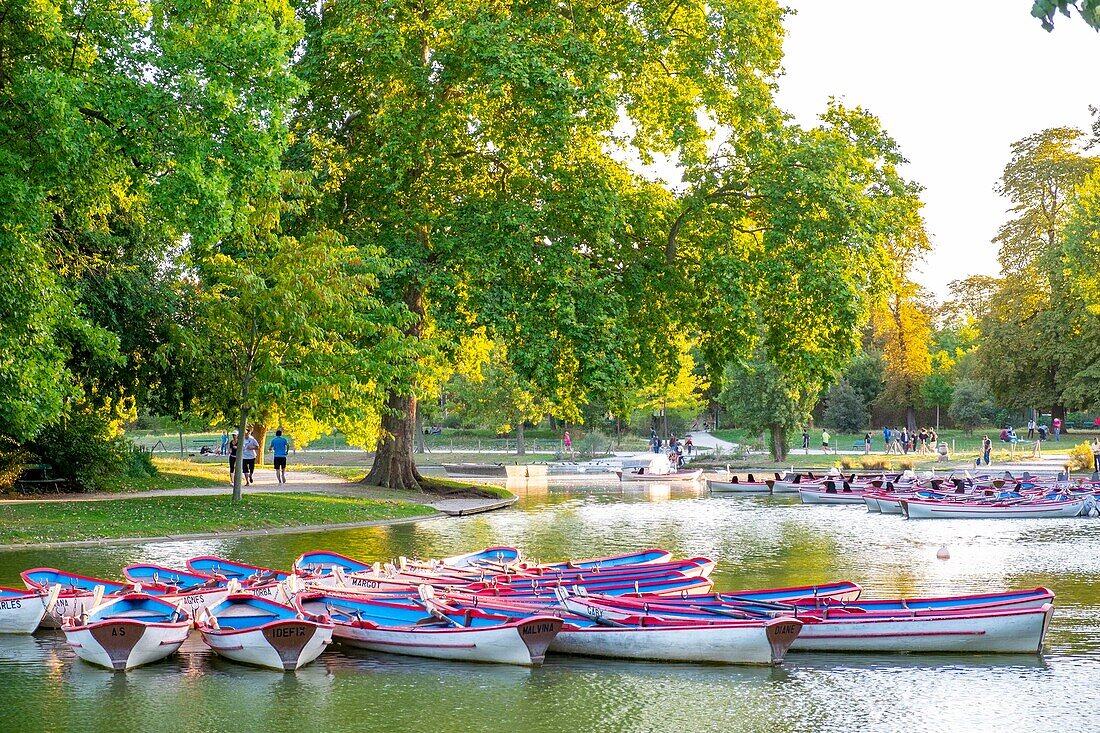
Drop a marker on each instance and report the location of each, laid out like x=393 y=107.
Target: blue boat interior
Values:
x=168 y=576
x=230 y=569
x=322 y=563
x=249 y=613
x=149 y=610
x=66 y=580
x=396 y=615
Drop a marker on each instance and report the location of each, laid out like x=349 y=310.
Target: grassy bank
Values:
x=155 y=517
x=172 y=473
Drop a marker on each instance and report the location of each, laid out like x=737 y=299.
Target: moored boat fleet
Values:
x=495 y=606
x=929 y=497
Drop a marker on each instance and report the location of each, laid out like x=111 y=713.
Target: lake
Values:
x=765 y=541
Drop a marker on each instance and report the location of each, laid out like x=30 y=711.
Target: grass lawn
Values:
x=41 y=522
x=174 y=473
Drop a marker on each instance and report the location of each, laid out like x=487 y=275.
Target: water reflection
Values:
x=759 y=541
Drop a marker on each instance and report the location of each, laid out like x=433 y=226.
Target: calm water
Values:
x=759 y=542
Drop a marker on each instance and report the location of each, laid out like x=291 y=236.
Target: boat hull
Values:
x=940 y=510
x=748 y=643
x=658 y=478
x=281 y=645
x=820 y=496
x=523 y=644
x=1018 y=631
x=727 y=487
x=124 y=644
x=21 y=612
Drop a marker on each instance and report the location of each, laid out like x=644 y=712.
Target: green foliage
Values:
x=846 y=410
x=759 y=396
x=13 y=457
x=971 y=405
x=86 y=449
x=1044 y=10
x=867 y=375
x=1036 y=332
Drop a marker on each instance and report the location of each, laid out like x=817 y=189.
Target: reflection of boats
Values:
x=128 y=631
x=654 y=467
x=257 y=631
x=497 y=470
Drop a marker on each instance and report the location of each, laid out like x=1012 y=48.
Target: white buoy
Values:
x=943 y=554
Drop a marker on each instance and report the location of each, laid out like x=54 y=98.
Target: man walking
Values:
x=279 y=446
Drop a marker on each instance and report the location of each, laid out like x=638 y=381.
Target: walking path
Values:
x=300 y=482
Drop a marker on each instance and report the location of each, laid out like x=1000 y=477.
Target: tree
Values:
x=846 y=411
x=473 y=144
x=867 y=375
x=497 y=396
x=971 y=405
x=1044 y=10
x=759 y=396
x=903 y=328
x=681 y=390
x=122 y=130
x=1026 y=352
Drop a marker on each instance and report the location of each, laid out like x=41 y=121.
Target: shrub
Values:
x=593 y=444
x=874 y=463
x=1080 y=458
x=85 y=450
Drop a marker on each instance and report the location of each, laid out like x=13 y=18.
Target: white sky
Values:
x=955 y=83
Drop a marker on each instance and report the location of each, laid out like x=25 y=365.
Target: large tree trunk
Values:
x=779 y=443
x=520 y=448
x=259 y=432
x=393 y=466
x=911 y=418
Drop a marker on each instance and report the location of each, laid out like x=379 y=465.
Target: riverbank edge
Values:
x=298 y=529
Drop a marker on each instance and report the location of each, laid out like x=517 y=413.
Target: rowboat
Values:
x=586 y=631
x=158 y=576
x=21 y=611
x=128 y=631
x=672 y=476
x=78 y=593
x=494 y=555
x=933 y=509
x=830 y=493
x=1010 y=629
x=1004 y=631
x=243 y=573
x=426 y=628
x=736 y=486
x=639 y=557
x=257 y=631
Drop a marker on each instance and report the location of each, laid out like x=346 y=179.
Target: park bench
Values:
x=858 y=445
x=38 y=477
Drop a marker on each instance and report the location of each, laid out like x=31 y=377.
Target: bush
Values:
x=1080 y=458
x=592 y=444
x=874 y=463
x=85 y=450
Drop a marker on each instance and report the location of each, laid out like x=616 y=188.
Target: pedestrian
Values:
x=805 y=439
x=279 y=446
x=987 y=446
x=886 y=438
x=249 y=450
x=232 y=450
x=1031 y=429
x=1096 y=455
x=866 y=443
x=933 y=439
x=225 y=445
x=689 y=445
x=568 y=443
x=1042 y=433
x=825 y=440
x=922 y=438
x=1057 y=425
x=905 y=440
